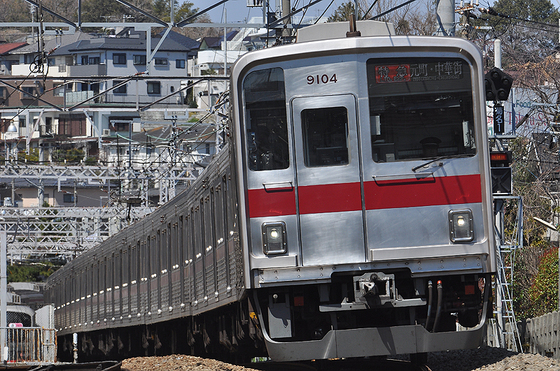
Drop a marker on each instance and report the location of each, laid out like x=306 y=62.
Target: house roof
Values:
x=216 y=42
x=182 y=39
x=6 y=48
x=118 y=43
x=53 y=43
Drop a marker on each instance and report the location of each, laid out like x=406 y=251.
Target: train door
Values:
x=329 y=190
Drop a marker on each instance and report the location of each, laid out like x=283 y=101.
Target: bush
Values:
x=31 y=273
x=543 y=293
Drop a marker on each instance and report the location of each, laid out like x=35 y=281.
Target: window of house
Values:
x=48 y=124
x=154 y=87
x=119 y=58
x=72 y=124
x=84 y=59
x=180 y=63
x=68 y=198
x=121 y=89
x=59 y=91
x=94 y=60
x=28 y=91
x=22 y=122
x=120 y=126
x=160 y=61
x=139 y=59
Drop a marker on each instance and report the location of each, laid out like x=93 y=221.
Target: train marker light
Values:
x=274 y=238
x=461 y=226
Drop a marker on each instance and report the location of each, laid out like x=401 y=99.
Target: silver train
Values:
x=349 y=215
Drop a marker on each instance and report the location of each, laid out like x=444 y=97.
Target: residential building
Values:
x=7 y=58
x=95 y=87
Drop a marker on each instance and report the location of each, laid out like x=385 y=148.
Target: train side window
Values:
x=219 y=213
x=80 y=285
x=91 y=281
x=146 y=263
x=84 y=285
x=134 y=262
x=420 y=108
x=231 y=208
x=208 y=240
x=198 y=230
x=187 y=238
x=110 y=273
x=95 y=283
x=325 y=136
x=118 y=267
x=266 y=120
x=102 y=276
x=163 y=246
x=125 y=266
x=154 y=244
x=174 y=237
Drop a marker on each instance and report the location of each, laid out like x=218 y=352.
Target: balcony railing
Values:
x=87 y=70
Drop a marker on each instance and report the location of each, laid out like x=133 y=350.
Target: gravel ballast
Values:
x=482 y=359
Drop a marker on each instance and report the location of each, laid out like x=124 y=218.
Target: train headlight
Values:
x=461 y=226
x=274 y=238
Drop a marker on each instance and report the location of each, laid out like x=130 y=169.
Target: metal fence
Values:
x=30 y=344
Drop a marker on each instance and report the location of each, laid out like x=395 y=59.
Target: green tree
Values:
x=72 y=155
x=522 y=27
x=342 y=13
x=102 y=10
x=162 y=10
x=31 y=272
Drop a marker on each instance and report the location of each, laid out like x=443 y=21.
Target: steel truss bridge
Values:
x=40 y=233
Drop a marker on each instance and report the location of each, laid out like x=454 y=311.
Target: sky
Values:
x=237 y=10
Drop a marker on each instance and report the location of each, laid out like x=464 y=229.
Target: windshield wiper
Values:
x=436 y=159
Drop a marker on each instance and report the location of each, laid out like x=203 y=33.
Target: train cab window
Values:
x=420 y=108
x=325 y=136
x=266 y=120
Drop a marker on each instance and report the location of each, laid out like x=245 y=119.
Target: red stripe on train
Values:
x=330 y=198
x=271 y=203
x=449 y=190
x=390 y=194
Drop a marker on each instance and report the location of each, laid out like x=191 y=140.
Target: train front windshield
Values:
x=411 y=122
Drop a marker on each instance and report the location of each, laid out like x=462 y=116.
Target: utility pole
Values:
x=3 y=296
x=445 y=15
x=287 y=32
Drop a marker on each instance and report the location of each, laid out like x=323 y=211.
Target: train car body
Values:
x=350 y=215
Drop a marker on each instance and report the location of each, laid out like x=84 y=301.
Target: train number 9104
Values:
x=321 y=79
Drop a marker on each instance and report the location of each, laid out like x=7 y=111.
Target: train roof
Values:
x=338 y=30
